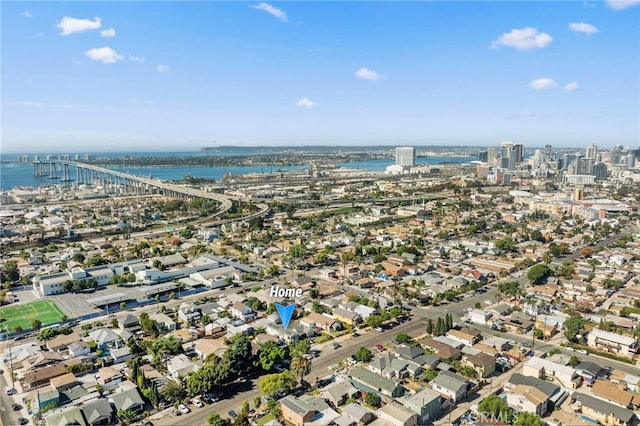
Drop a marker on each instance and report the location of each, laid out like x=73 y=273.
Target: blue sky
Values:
x=97 y=76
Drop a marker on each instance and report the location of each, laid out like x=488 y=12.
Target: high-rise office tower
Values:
x=592 y=152
x=405 y=156
x=483 y=156
x=492 y=155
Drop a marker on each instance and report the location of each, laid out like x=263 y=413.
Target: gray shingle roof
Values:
x=604 y=407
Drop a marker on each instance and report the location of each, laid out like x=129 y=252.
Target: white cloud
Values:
x=72 y=25
x=543 y=83
x=273 y=11
x=163 y=68
x=572 y=87
x=108 y=33
x=106 y=55
x=581 y=27
x=135 y=58
x=306 y=103
x=622 y=4
x=367 y=74
x=26 y=14
x=31 y=104
x=523 y=39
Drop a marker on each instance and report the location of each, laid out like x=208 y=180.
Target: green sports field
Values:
x=22 y=315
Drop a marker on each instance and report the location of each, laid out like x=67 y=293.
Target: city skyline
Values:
x=98 y=77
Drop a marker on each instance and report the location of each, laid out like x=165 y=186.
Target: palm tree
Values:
x=301 y=366
x=127 y=416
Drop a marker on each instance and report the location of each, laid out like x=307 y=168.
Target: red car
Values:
x=379 y=347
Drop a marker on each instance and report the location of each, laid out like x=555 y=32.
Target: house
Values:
x=321 y=322
x=109 y=377
x=369 y=381
x=527 y=398
x=64 y=382
x=97 y=412
x=614 y=394
x=554 y=394
x=120 y=355
x=389 y=366
x=105 y=338
x=69 y=416
x=163 y=321
x=452 y=385
x=42 y=376
x=442 y=350
x=129 y=322
x=79 y=348
x=484 y=364
x=128 y=399
x=590 y=370
x=62 y=341
x=427 y=404
x=357 y=414
x=181 y=365
x=41 y=359
x=612 y=342
x=465 y=335
x=46 y=397
x=337 y=393
x=188 y=313
x=346 y=317
x=602 y=411
x=518 y=325
x=301 y=411
x=242 y=311
x=206 y=347
x=478 y=316
x=396 y=414
x=546 y=369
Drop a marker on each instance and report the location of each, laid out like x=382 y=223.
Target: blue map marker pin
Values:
x=285 y=312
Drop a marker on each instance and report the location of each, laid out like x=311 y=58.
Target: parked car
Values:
x=233 y=414
x=9 y=390
x=16 y=407
x=379 y=347
x=183 y=409
x=197 y=403
x=334 y=346
x=176 y=412
x=22 y=421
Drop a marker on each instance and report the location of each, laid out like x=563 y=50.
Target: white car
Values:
x=9 y=390
x=183 y=409
x=198 y=403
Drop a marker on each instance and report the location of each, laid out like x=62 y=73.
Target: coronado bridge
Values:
x=61 y=171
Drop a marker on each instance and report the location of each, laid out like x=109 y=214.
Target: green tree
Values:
x=215 y=420
x=206 y=319
x=526 y=418
x=127 y=416
x=439 y=331
x=269 y=354
x=301 y=366
x=574 y=328
x=496 y=408
x=10 y=272
x=372 y=399
x=172 y=391
x=574 y=361
x=36 y=324
x=506 y=244
x=374 y=320
x=538 y=272
x=148 y=325
x=510 y=288
x=364 y=354
x=403 y=338
x=272 y=383
x=430 y=327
